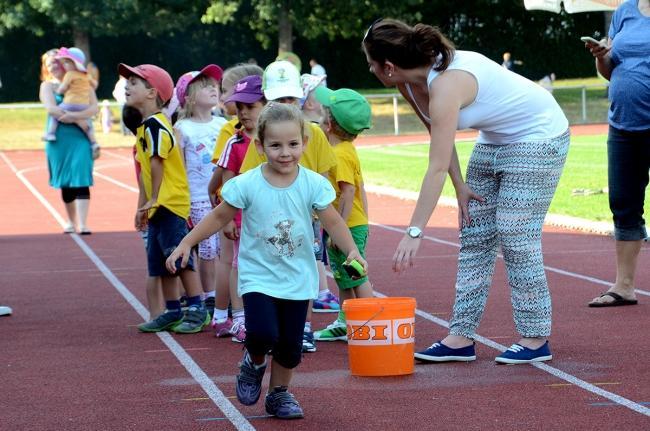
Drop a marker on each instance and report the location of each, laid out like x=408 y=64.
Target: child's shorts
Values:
x=337 y=258
x=165 y=232
x=209 y=247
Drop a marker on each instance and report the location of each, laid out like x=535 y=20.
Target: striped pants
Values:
x=518 y=182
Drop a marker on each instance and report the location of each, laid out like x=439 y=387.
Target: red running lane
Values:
x=76 y=361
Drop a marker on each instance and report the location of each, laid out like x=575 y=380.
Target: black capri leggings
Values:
x=275 y=325
x=70 y=194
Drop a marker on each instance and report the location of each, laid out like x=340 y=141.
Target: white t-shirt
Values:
x=508 y=107
x=197 y=141
x=276 y=253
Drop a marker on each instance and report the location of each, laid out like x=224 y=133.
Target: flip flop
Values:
x=618 y=301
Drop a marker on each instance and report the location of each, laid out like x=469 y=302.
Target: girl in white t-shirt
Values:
x=277 y=269
x=196 y=132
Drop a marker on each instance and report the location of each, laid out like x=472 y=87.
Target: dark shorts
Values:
x=164 y=233
x=275 y=325
x=628 y=157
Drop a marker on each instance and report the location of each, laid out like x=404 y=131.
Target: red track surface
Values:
x=73 y=360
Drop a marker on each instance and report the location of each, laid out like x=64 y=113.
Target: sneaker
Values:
x=334 y=331
x=165 y=321
x=308 y=345
x=209 y=305
x=194 y=320
x=68 y=228
x=222 y=329
x=328 y=305
x=5 y=311
x=238 y=331
x=282 y=404
x=518 y=354
x=438 y=352
x=249 y=381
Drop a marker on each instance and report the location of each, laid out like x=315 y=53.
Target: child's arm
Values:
x=364 y=199
x=141 y=217
x=340 y=234
x=214 y=184
x=62 y=88
x=91 y=111
x=215 y=220
x=230 y=229
x=346 y=199
x=156 y=180
x=183 y=148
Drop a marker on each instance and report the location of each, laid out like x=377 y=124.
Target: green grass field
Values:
x=586 y=168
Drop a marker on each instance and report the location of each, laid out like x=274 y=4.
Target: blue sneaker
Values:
x=518 y=354
x=282 y=404
x=249 y=381
x=438 y=352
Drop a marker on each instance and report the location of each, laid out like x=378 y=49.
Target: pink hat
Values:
x=157 y=77
x=211 y=71
x=75 y=55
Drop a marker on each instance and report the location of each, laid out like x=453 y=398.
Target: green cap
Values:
x=349 y=108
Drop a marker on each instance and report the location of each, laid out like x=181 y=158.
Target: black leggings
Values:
x=275 y=325
x=70 y=194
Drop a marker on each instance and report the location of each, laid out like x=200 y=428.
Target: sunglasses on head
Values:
x=368 y=35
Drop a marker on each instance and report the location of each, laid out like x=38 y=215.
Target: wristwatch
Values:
x=414 y=232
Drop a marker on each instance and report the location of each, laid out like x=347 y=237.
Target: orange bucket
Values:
x=381 y=335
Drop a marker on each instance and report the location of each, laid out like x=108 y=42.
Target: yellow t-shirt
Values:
x=318 y=155
x=156 y=138
x=348 y=170
x=227 y=131
x=79 y=88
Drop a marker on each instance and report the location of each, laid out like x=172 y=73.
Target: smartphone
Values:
x=587 y=39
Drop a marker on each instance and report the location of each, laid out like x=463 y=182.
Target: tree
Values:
x=86 y=18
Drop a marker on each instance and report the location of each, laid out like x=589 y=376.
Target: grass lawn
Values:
x=586 y=168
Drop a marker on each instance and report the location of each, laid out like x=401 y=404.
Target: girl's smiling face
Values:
x=283 y=146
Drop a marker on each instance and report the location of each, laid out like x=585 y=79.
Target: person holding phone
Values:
x=623 y=60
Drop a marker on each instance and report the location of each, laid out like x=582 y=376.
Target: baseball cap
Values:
x=211 y=71
x=350 y=109
x=309 y=84
x=281 y=79
x=156 y=76
x=74 y=54
x=247 y=90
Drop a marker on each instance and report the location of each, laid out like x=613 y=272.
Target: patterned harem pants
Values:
x=518 y=182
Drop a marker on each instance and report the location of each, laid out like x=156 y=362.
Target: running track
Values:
x=72 y=358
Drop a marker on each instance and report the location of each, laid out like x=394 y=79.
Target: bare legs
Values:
x=627 y=253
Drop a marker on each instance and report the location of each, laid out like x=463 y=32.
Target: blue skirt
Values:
x=69 y=158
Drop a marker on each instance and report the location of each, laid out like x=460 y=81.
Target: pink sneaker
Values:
x=238 y=331
x=222 y=329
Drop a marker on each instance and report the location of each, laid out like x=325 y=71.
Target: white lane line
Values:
x=622 y=401
x=546 y=267
x=116 y=182
x=218 y=397
x=544 y=367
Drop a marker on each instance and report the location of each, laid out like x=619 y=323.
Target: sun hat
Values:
x=247 y=90
x=157 y=77
x=281 y=79
x=74 y=54
x=350 y=109
x=211 y=71
x=309 y=83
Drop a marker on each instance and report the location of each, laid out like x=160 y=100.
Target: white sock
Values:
x=307 y=327
x=210 y=294
x=323 y=294
x=220 y=316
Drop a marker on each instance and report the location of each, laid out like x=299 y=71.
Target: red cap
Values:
x=157 y=77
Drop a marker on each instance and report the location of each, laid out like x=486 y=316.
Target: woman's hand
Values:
x=231 y=231
x=183 y=252
x=405 y=253
x=464 y=194
x=598 y=50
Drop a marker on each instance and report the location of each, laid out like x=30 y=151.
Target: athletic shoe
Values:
x=194 y=320
x=282 y=404
x=165 y=321
x=238 y=331
x=438 y=352
x=209 y=305
x=68 y=228
x=330 y=304
x=308 y=345
x=518 y=354
x=5 y=311
x=334 y=331
x=249 y=381
x=222 y=329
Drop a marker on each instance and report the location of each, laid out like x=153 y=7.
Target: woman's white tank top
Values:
x=508 y=107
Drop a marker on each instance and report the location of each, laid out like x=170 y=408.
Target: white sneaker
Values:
x=69 y=228
x=5 y=311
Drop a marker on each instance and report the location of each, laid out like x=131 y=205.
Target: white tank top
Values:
x=508 y=107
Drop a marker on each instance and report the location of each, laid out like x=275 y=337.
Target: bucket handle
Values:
x=366 y=322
